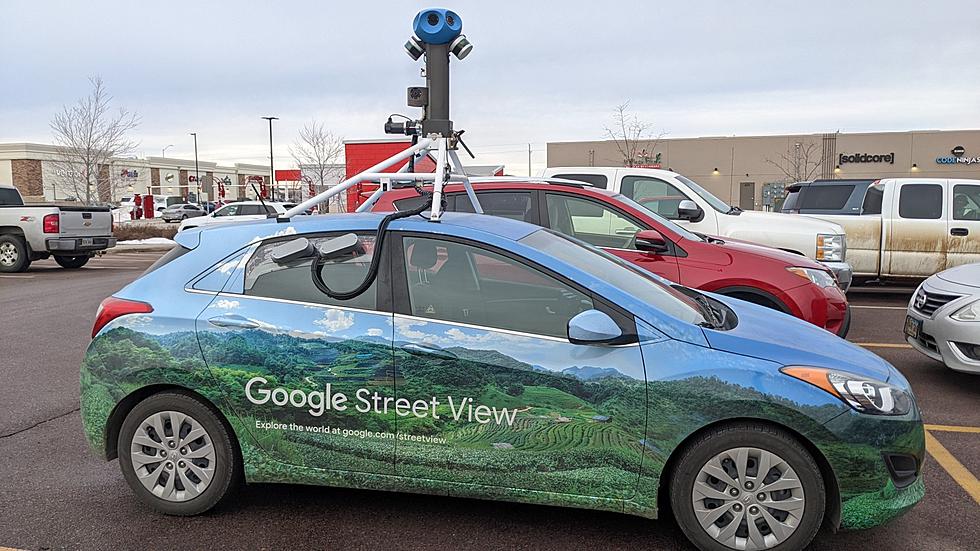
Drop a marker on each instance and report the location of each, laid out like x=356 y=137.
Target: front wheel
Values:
x=177 y=455
x=747 y=486
x=72 y=262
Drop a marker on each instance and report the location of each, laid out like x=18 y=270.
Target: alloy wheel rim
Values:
x=748 y=498
x=173 y=456
x=8 y=254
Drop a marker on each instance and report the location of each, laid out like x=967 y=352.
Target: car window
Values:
x=455 y=282
x=673 y=226
x=966 y=202
x=268 y=209
x=228 y=210
x=872 y=200
x=590 y=221
x=921 y=201
x=654 y=194
x=597 y=180
x=265 y=278
x=509 y=204
x=792 y=199
x=191 y=207
x=832 y=197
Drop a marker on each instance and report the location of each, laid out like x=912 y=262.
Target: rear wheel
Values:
x=747 y=486
x=13 y=254
x=177 y=455
x=72 y=262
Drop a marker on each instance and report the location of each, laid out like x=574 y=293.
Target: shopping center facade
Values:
x=739 y=169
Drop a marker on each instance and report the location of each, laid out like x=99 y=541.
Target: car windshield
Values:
x=672 y=226
x=715 y=202
x=639 y=283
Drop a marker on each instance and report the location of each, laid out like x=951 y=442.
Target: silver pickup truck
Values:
x=71 y=234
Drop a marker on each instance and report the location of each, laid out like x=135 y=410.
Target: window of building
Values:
x=921 y=201
x=454 y=282
x=266 y=278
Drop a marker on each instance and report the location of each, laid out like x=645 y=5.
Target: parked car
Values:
x=69 y=233
x=943 y=320
x=181 y=211
x=676 y=197
x=912 y=228
x=783 y=281
x=160 y=202
x=237 y=212
x=489 y=358
x=844 y=196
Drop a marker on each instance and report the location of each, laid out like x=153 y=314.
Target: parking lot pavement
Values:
x=55 y=494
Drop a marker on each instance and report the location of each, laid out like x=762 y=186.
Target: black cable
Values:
x=317 y=265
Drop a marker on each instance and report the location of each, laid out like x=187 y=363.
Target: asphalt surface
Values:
x=55 y=494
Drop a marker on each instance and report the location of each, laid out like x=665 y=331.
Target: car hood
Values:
x=770 y=335
x=967 y=275
x=739 y=246
x=800 y=222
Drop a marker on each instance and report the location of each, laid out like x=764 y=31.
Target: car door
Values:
x=601 y=225
x=964 y=223
x=298 y=367
x=503 y=398
x=918 y=233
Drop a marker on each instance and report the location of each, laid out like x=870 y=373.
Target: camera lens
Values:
x=433 y=19
x=450 y=20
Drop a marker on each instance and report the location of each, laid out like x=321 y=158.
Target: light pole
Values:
x=272 y=168
x=163 y=152
x=197 y=172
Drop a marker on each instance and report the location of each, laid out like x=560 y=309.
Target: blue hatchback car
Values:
x=489 y=358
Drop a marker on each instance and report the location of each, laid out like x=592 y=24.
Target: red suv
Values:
x=784 y=281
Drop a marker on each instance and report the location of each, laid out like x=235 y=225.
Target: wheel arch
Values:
x=833 y=504
x=738 y=291
x=124 y=406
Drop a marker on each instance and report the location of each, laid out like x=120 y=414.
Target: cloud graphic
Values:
x=225 y=304
x=375 y=332
x=334 y=320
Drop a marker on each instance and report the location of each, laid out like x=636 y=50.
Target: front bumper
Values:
x=823 y=307
x=843 y=272
x=940 y=334
x=75 y=245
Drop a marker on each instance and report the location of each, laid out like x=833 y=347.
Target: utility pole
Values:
x=528 y=160
x=272 y=168
x=197 y=172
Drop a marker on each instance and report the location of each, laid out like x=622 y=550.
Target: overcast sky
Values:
x=539 y=71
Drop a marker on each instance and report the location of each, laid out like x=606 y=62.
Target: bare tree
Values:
x=634 y=137
x=90 y=134
x=800 y=162
x=317 y=152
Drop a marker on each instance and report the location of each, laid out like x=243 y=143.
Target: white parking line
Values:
x=879 y=307
x=5 y=276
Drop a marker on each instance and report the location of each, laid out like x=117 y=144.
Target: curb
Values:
x=138 y=249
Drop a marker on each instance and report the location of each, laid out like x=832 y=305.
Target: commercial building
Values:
x=749 y=171
x=41 y=174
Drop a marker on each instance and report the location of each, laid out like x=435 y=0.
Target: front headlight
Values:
x=830 y=247
x=861 y=393
x=819 y=277
x=970 y=312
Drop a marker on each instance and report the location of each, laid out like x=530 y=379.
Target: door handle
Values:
x=959 y=231
x=233 y=321
x=424 y=350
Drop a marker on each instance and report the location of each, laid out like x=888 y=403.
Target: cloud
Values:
x=225 y=304
x=334 y=320
x=375 y=332
x=136 y=321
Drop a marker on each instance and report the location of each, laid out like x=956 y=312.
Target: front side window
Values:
x=513 y=205
x=455 y=282
x=590 y=221
x=966 y=202
x=230 y=210
x=921 y=201
x=654 y=194
x=293 y=281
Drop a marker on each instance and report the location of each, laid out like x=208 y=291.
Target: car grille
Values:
x=927 y=303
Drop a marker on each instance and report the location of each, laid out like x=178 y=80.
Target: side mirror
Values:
x=593 y=327
x=651 y=241
x=689 y=210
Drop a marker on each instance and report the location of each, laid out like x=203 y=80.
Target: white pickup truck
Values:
x=681 y=199
x=71 y=234
x=911 y=228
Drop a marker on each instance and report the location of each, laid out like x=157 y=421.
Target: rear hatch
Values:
x=85 y=222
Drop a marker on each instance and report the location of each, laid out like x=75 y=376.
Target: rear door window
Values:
x=832 y=197
x=921 y=201
x=597 y=180
x=515 y=205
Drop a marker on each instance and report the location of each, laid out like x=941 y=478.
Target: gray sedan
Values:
x=181 y=211
x=943 y=320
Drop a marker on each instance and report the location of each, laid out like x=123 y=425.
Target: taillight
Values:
x=52 y=223
x=112 y=307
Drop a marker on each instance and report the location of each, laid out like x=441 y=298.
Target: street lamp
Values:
x=163 y=153
x=197 y=172
x=272 y=168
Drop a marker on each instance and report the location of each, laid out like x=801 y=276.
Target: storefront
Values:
x=747 y=170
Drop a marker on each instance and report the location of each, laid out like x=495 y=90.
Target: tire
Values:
x=192 y=464
x=14 y=256
x=794 y=530
x=766 y=300
x=72 y=262
x=846 y=326
x=183 y=217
